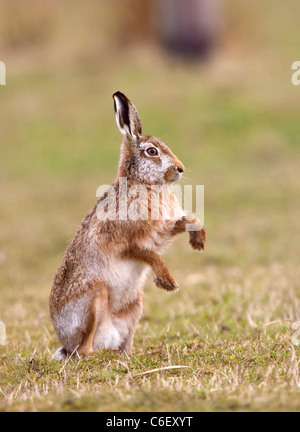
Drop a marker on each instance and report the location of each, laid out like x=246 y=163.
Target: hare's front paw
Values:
x=166 y=282
x=198 y=239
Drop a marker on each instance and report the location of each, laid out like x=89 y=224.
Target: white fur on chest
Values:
x=125 y=279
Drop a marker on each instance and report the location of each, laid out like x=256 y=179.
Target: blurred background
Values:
x=210 y=77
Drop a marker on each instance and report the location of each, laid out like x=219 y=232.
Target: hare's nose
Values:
x=180 y=169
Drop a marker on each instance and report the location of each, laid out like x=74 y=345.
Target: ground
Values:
x=227 y=341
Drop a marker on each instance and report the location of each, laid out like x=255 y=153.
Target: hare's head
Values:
x=144 y=159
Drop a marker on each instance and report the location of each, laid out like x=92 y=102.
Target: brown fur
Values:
x=94 y=301
x=131 y=314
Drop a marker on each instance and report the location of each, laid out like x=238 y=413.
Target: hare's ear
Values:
x=127 y=117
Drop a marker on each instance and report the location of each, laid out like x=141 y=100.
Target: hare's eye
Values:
x=152 y=151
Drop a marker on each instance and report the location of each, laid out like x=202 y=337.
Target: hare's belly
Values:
x=125 y=279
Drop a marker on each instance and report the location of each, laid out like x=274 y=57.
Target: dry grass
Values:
x=225 y=342
x=228 y=339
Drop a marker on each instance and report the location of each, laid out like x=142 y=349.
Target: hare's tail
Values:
x=61 y=354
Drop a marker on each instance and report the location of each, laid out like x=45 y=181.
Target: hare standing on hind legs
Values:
x=96 y=298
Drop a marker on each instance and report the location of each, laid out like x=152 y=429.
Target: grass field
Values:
x=231 y=329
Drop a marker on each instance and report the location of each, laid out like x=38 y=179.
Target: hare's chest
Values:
x=125 y=279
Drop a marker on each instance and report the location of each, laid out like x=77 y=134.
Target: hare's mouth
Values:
x=173 y=174
x=177 y=177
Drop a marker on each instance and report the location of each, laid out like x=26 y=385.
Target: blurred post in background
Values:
x=189 y=27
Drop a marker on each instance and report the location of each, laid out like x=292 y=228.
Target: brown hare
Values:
x=96 y=298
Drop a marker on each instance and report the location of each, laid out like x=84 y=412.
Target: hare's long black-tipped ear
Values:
x=127 y=117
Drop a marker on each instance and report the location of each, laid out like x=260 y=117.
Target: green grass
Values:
x=234 y=122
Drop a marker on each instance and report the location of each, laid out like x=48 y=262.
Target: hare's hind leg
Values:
x=77 y=323
x=116 y=329
x=126 y=321
x=86 y=347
